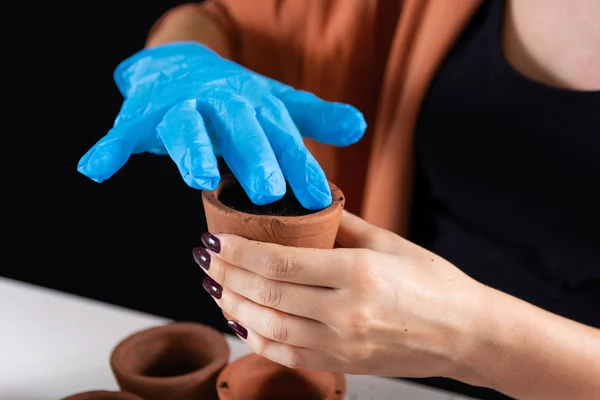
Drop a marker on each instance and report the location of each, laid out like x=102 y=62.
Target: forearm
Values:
x=190 y=23
x=529 y=353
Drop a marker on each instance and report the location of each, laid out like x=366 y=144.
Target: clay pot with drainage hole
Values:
x=256 y=378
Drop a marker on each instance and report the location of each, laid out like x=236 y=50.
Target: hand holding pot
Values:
x=186 y=101
x=389 y=308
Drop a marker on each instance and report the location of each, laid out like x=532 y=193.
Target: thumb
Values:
x=355 y=232
x=330 y=123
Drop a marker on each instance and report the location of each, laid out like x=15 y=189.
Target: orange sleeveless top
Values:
x=378 y=55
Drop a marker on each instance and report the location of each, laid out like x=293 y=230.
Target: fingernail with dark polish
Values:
x=202 y=257
x=212 y=287
x=238 y=329
x=211 y=242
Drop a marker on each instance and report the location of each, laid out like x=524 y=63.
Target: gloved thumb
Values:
x=326 y=122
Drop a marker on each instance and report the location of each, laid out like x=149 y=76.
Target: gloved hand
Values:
x=186 y=101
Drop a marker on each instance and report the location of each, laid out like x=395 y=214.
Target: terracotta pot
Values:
x=178 y=361
x=103 y=395
x=256 y=378
x=317 y=230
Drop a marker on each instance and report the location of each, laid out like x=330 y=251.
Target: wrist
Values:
x=461 y=329
x=504 y=338
x=187 y=23
x=480 y=335
x=523 y=351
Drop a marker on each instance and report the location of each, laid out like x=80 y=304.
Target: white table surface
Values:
x=54 y=344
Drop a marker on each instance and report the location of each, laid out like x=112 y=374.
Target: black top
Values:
x=508 y=177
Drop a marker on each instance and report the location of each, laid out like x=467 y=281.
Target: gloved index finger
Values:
x=299 y=167
x=244 y=146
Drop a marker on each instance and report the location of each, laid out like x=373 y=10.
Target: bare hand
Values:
x=381 y=305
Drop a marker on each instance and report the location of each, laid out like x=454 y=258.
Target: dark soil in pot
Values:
x=288 y=206
x=229 y=210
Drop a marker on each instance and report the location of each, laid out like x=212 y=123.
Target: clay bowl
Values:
x=256 y=378
x=103 y=395
x=177 y=361
x=317 y=230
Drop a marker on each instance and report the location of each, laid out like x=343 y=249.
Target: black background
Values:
x=128 y=240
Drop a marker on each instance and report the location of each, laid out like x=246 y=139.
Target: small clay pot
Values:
x=177 y=361
x=103 y=395
x=316 y=230
x=256 y=378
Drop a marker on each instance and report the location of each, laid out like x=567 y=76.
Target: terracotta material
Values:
x=103 y=395
x=178 y=361
x=317 y=230
x=256 y=378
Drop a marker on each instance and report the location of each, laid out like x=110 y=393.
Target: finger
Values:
x=315 y=267
x=275 y=325
x=299 y=167
x=326 y=122
x=245 y=147
x=111 y=152
x=184 y=135
x=304 y=301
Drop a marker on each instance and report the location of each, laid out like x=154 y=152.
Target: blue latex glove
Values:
x=186 y=101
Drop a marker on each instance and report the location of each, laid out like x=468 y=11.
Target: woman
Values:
x=482 y=152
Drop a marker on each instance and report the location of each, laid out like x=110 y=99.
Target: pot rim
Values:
x=210 y=335
x=93 y=394
x=212 y=199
